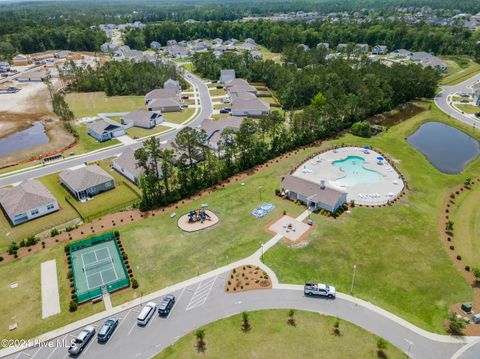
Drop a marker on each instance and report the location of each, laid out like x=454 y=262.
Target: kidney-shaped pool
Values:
x=446 y=148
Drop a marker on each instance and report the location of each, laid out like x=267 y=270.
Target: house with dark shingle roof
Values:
x=214 y=128
x=227 y=75
x=127 y=165
x=165 y=105
x=87 y=181
x=247 y=104
x=314 y=195
x=27 y=201
x=160 y=93
x=103 y=130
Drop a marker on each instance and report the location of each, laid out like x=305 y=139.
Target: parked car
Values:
x=226 y=100
x=228 y=109
x=107 y=330
x=166 y=305
x=224 y=111
x=146 y=314
x=319 y=289
x=81 y=341
x=219 y=87
x=184 y=105
x=185 y=97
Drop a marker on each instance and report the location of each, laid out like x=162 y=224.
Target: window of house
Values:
x=50 y=206
x=34 y=212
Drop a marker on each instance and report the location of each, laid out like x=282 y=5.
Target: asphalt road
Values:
x=201 y=303
x=442 y=102
x=205 y=112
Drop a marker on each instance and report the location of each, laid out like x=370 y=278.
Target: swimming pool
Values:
x=355 y=173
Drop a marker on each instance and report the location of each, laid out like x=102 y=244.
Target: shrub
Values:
x=116 y=234
x=452 y=248
x=1 y=258
x=124 y=256
x=73 y=306
x=291 y=318
x=70 y=274
x=245 y=322
x=467 y=268
x=381 y=347
x=129 y=271
x=54 y=232
x=134 y=283
x=456 y=324
x=67 y=248
x=336 y=327
x=476 y=273
x=459 y=257
x=362 y=129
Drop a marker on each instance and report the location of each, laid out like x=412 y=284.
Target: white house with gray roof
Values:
x=141 y=118
x=127 y=165
x=314 y=195
x=103 y=130
x=27 y=201
x=87 y=181
x=247 y=104
x=214 y=128
x=172 y=85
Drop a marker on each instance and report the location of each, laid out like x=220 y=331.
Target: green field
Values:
x=466 y=218
x=396 y=249
x=138 y=132
x=271 y=337
x=268 y=55
x=471 y=109
x=458 y=70
x=86 y=104
x=23 y=305
x=179 y=117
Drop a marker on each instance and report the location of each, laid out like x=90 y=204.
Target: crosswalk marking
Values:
x=201 y=294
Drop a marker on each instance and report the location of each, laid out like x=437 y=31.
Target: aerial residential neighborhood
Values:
x=260 y=179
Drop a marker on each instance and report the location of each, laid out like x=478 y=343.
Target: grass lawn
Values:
x=220 y=115
x=222 y=105
x=401 y=263
x=85 y=104
x=138 y=132
x=39 y=225
x=268 y=55
x=217 y=92
x=271 y=337
x=268 y=99
x=471 y=109
x=466 y=218
x=87 y=143
x=459 y=72
x=179 y=117
x=23 y=305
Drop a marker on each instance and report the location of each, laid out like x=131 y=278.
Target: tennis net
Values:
x=98 y=264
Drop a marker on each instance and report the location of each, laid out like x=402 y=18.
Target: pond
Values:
x=446 y=148
x=31 y=137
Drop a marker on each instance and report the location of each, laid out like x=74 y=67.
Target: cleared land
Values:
x=271 y=337
x=466 y=219
x=87 y=104
x=268 y=55
x=396 y=249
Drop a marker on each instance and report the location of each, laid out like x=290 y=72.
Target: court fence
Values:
x=111 y=287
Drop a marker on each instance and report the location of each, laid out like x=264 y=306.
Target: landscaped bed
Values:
x=273 y=335
x=247 y=277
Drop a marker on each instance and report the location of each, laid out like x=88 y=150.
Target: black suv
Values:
x=166 y=305
x=107 y=330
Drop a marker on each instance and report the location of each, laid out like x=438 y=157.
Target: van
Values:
x=146 y=313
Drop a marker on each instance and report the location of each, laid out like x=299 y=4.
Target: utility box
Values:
x=476 y=318
x=467 y=307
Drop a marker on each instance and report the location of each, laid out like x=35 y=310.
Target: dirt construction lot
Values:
x=20 y=110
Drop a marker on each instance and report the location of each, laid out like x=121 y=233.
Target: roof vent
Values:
x=322 y=184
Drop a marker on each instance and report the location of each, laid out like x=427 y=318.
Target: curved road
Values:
x=441 y=100
x=206 y=110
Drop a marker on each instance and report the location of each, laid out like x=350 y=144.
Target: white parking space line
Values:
x=201 y=294
x=55 y=349
x=133 y=326
x=122 y=320
x=34 y=355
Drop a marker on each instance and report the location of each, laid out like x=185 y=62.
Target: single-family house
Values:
x=155 y=45
x=172 y=85
x=249 y=40
x=32 y=76
x=342 y=47
x=160 y=93
x=168 y=104
x=247 y=104
x=325 y=45
x=127 y=165
x=217 y=41
x=87 y=181
x=314 y=195
x=214 y=128
x=420 y=56
x=303 y=47
x=64 y=54
x=257 y=55
x=171 y=42
x=476 y=93
x=247 y=46
x=227 y=75
x=435 y=63
x=401 y=53
x=27 y=201
x=178 y=52
x=103 y=130
x=141 y=118
x=379 y=50
x=238 y=86
x=4 y=66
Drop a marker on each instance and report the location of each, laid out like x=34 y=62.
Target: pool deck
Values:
x=320 y=168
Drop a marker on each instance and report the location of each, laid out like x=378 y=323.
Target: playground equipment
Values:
x=198 y=215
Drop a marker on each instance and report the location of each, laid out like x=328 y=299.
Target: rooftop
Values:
x=86 y=177
x=28 y=195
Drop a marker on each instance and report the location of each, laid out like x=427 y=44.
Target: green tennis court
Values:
x=97 y=265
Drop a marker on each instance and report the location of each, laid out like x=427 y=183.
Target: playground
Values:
x=197 y=220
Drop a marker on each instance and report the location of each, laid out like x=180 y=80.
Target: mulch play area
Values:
x=247 y=277
x=197 y=220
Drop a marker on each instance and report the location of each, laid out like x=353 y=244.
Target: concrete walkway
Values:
x=50 y=295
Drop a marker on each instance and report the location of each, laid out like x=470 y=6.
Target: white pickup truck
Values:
x=319 y=289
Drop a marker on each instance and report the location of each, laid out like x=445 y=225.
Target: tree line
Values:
x=277 y=36
x=325 y=99
x=118 y=78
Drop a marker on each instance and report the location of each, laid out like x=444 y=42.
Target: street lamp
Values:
x=260 y=192
x=353 y=278
x=262 y=251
